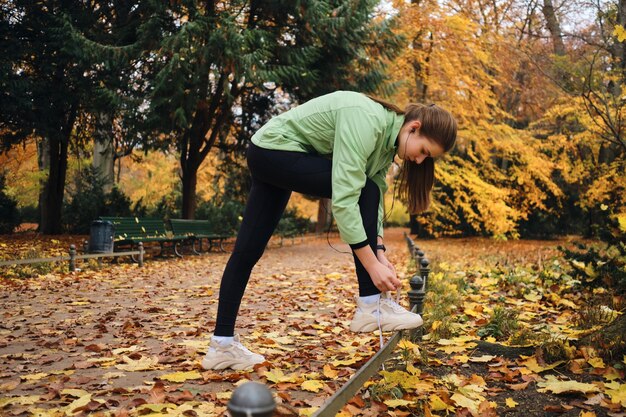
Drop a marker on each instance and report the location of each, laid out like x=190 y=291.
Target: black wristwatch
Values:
x=381 y=247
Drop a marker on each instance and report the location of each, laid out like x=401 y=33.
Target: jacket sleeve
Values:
x=355 y=139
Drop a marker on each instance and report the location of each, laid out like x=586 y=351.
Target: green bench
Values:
x=129 y=231
x=197 y=231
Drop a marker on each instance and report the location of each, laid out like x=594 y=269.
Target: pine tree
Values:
x=55 y=69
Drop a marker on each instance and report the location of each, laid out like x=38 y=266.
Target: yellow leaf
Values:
x=156 y=408
x=587 y=414
x=334 y=275
x=312 y=385
x=346 y=362
x=436 y=403
x=224 y=395
x=533 y=296
x=531 y=364
x=397 y=403
x=27 y=400
x=401 y=378
x=181 y=376
x=74 y=392
x=596 y=362
x=620 y=33
x=461 y=358
x=405 y=344
x=143 y=364
x=35 y=377
x=80 y=402
x=617 y=394
x=462 y=401
x=412 y=369
x=559 y=387
x=329 y=372
x=307 y=412
x=277 y=376
x=511 y=403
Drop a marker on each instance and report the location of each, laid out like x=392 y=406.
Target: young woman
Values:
x=338 y=146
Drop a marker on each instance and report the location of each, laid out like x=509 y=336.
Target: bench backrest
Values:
x=129 y=227
x=190 y=227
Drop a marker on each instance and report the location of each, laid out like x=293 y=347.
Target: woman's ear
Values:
x=415 y=126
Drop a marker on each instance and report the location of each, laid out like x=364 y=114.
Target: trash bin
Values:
x=101 y=237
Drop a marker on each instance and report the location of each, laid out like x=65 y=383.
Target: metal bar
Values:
x=336 y=402
x=67 y=258
x=107 y=255
x=34 y=261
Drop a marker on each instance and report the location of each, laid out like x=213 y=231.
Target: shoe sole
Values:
x=370 y=327
x=207 y=366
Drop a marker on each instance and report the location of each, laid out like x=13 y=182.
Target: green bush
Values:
x=9 y=214
x=88 y=201
x=224 y=219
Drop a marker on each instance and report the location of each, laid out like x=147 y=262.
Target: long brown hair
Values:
x=438 y=125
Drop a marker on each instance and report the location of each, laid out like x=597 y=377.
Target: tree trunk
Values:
x=190 y=182
x=552 y=22
x=43 y=162
x=51 y=209
x=103 y=160
x=323 y=215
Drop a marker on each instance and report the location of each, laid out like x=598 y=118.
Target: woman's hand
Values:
x=384 y=276
x=383 y=260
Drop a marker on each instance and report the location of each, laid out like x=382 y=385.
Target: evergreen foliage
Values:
x=9 y=214
x=220 y=54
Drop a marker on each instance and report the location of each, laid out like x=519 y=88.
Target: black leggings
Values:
x=275 y=174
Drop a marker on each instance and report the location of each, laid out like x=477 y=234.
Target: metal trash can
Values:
x=101 y=237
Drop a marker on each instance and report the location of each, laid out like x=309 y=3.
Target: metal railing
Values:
x=73 y=256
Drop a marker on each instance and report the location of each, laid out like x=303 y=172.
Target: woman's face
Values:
x=413 y=146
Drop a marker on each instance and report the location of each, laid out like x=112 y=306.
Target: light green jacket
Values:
x=358 y=133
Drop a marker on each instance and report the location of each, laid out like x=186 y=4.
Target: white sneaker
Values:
x=233 y=355
x=385 y=314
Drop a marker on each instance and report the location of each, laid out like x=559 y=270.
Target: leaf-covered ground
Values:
x=124 y=340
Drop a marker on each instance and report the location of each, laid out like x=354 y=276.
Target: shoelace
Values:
x=395 y=306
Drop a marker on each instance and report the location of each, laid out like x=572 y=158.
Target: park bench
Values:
x=197 y=231
x=129 y=231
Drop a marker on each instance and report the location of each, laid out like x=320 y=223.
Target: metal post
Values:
x=72 y=257
x=141 y=252
x=419 y=255
x=425 y=271
x=85 y=246
x=417 y=293
x=252 y=399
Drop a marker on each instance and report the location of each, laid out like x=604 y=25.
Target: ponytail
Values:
x=416 y=180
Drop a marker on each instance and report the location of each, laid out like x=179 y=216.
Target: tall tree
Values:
x=222 y=51
x=51 y=74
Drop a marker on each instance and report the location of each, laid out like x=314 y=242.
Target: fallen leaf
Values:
x=143 y=364
x=181 y=376
x=560 y=387
x=312 y=385
x=510 y=402
x=397 y=403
